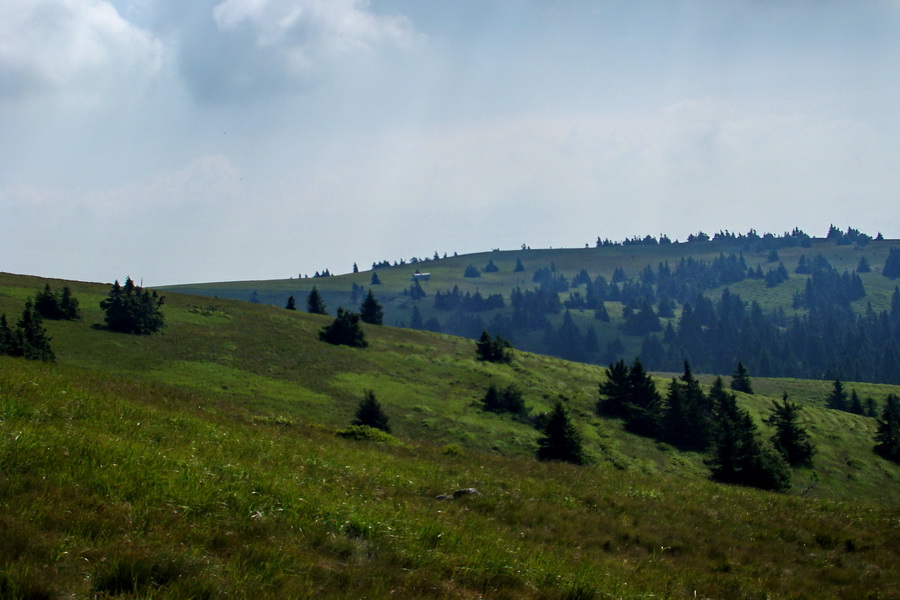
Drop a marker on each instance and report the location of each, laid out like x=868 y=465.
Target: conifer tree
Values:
x=519 y=266
x=687 y=421
x=740 y=380
x=68 y=305
x=7 y=339
x=837 y=399
x=315 y=304
x=344 y=330
x=561 y=440
x=291 y=303
x=375 y=280
x=370 y=413
x=370 y=310
x=790 y=438
x=31 y=338
x=493 y=350
x=887 y=436
x=892 y=264
x=856 y=405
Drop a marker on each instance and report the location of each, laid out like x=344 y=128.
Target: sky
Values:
x=214 y=140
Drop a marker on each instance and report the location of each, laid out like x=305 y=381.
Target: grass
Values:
x=206 y=462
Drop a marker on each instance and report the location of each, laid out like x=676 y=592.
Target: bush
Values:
x=344 y=330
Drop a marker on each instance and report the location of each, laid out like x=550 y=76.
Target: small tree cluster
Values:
x=631 y=394
x=738 y=457
x=131 y=309
x=493 y=350
x=344 y=330
x=57 y=306
x=508 y=400
x=472 y=271
x=28 y=339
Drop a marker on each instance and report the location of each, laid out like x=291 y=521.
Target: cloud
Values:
x=73 y=45
x=240 y=49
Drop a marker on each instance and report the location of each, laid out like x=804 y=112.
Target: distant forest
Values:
x=824 y=339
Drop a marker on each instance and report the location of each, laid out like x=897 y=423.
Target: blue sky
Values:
x=252 y=139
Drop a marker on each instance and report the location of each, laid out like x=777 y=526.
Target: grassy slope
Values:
x=195 y=458
x=446 y=273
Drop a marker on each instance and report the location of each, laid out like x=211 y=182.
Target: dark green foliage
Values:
x=472 y=271
x=737 y=455
x=863 y=266
x=415 y=291
x=375 y=280
x=495 y=350
x=491 y=267
x=131 y=309
x=631 y=394
x=837 y=399
x=561 y=440
x=887 y=436
x=62 y=306
x=856 y=405
x=519 y=266
x=740 y=380
x=344 y=330
x=315 y=304
x=291 y=303
x=416 y=321
x=508 y=400
x=370 y=310
x=29 y=339
x=790 y=438
x=891 y=266
x=687 y=422
x=369 y=413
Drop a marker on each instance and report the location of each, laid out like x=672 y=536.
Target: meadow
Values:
x=204 y=462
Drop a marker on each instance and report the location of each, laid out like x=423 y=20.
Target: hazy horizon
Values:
x=259 y=139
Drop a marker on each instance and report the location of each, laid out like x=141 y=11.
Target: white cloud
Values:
x=80 y=45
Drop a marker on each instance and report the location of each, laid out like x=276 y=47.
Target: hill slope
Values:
x=202 y=463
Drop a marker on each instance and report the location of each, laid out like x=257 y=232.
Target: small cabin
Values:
x=421 y=276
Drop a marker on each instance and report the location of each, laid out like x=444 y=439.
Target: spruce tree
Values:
x=7 y=339
x=370 y=310
x=370 y=413
x=790 y=438
x=615 y=390
x=856 y=405
x=687 y=421
x=891 y=266
x=131 y=309
x=561 y=440
x=68 y=305
x=375 y=280
x=31 y=337
x=887 y=435
x=291 y=303
x=46 y=304
x=837 y=399
x=740 y=380
x=315 y=304
x=519 y=266
x=495 y=350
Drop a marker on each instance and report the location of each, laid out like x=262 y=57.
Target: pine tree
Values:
x=615 y=390
x=887 y=436
x=856 y=405
x=519 y=266
x=687 y=421
x=837 y=399
x=740 y=380
x=891 y=266
x=344 y=330
x=46 y=304
x=314 y=303
x=790 y=438
x=561 y=440
x=68 y=305
x=370 y=310
x=375 y=280
x=291 y=303
x=370 y=413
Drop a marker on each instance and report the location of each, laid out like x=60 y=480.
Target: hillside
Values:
x=715 y=302
x=202 y=462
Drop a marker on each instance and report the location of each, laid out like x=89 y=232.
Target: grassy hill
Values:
x=447 y=273
x=203 y=463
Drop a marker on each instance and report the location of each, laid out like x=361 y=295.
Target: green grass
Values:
x=205 y=463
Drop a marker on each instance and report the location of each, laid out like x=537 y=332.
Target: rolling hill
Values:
x=599 y=304
x=203 y=462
